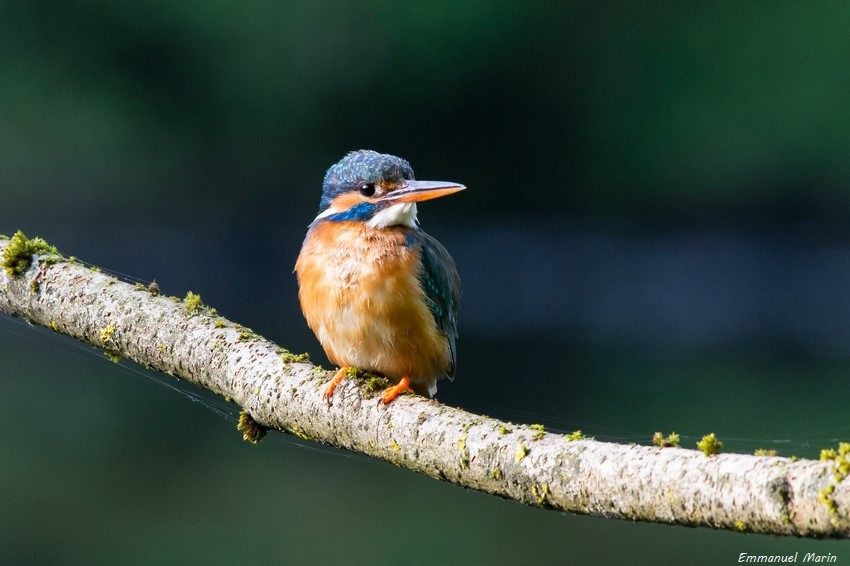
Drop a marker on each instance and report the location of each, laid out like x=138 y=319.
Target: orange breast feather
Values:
x=360 y=293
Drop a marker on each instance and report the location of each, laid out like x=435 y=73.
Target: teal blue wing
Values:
x=441 y=284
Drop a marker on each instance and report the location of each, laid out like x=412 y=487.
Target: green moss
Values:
x=709 y=445
x=107 y=336
x=540 y=492
x=840 y=467
x=107 y=333
x=192 y=301
x=520 y=453
x=53 y=326
x=826 y=497
x=251 y=430
x=669 y=441
x=840 y=458
x=375 y=383
x=464 y=455
x=394 y=445
x=219 y=323
x=740 y=526
x=765 y=452
x=495 y=474
x=114 y=356
x=17 y=256
x=577 y=435
x=372 y=382
x=539 y=431
x=289 y=357
x=300 y=433
x=503 y=430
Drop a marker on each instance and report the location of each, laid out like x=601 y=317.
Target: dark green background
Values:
x=656 y=236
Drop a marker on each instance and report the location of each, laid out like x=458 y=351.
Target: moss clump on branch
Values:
x=539 y=431
x=112 y=355
x=840 y=460
x=540 y=492
x=251 y=430
x=192 y=302
x=709 y=445
x=520 y=453
x=18 y=254
x=375 y=383
x=464 y=454
x=669 y=441
x=106 y=333
x=290 y=358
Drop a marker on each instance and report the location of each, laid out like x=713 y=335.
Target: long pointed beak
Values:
x=417 y=191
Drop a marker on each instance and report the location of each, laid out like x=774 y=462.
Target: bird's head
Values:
x=377 y=189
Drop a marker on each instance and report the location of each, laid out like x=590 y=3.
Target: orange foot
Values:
x=329 y=388
x=391 y=393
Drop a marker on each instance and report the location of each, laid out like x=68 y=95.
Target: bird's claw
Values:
x=328 y=392
x=391 y=393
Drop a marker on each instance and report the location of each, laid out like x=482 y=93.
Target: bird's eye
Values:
x=367 y=189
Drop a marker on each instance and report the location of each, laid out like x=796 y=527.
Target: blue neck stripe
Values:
x=362 y=211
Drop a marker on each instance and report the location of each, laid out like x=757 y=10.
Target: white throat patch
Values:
x=402 y=214
x=330 y=211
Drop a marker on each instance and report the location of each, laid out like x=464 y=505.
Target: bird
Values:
x=379 y=293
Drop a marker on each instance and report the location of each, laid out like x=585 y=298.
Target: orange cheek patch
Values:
x=347 y=200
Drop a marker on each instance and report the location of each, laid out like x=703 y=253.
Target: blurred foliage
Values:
x=188 y=140
x=611 y=109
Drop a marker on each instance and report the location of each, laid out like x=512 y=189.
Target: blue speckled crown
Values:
x=362 y=166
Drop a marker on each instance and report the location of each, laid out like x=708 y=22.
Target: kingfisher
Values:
x=380 y=294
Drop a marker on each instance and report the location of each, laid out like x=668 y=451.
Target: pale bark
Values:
x=666 y=485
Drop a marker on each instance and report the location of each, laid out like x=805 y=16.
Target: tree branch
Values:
x=667 y=485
